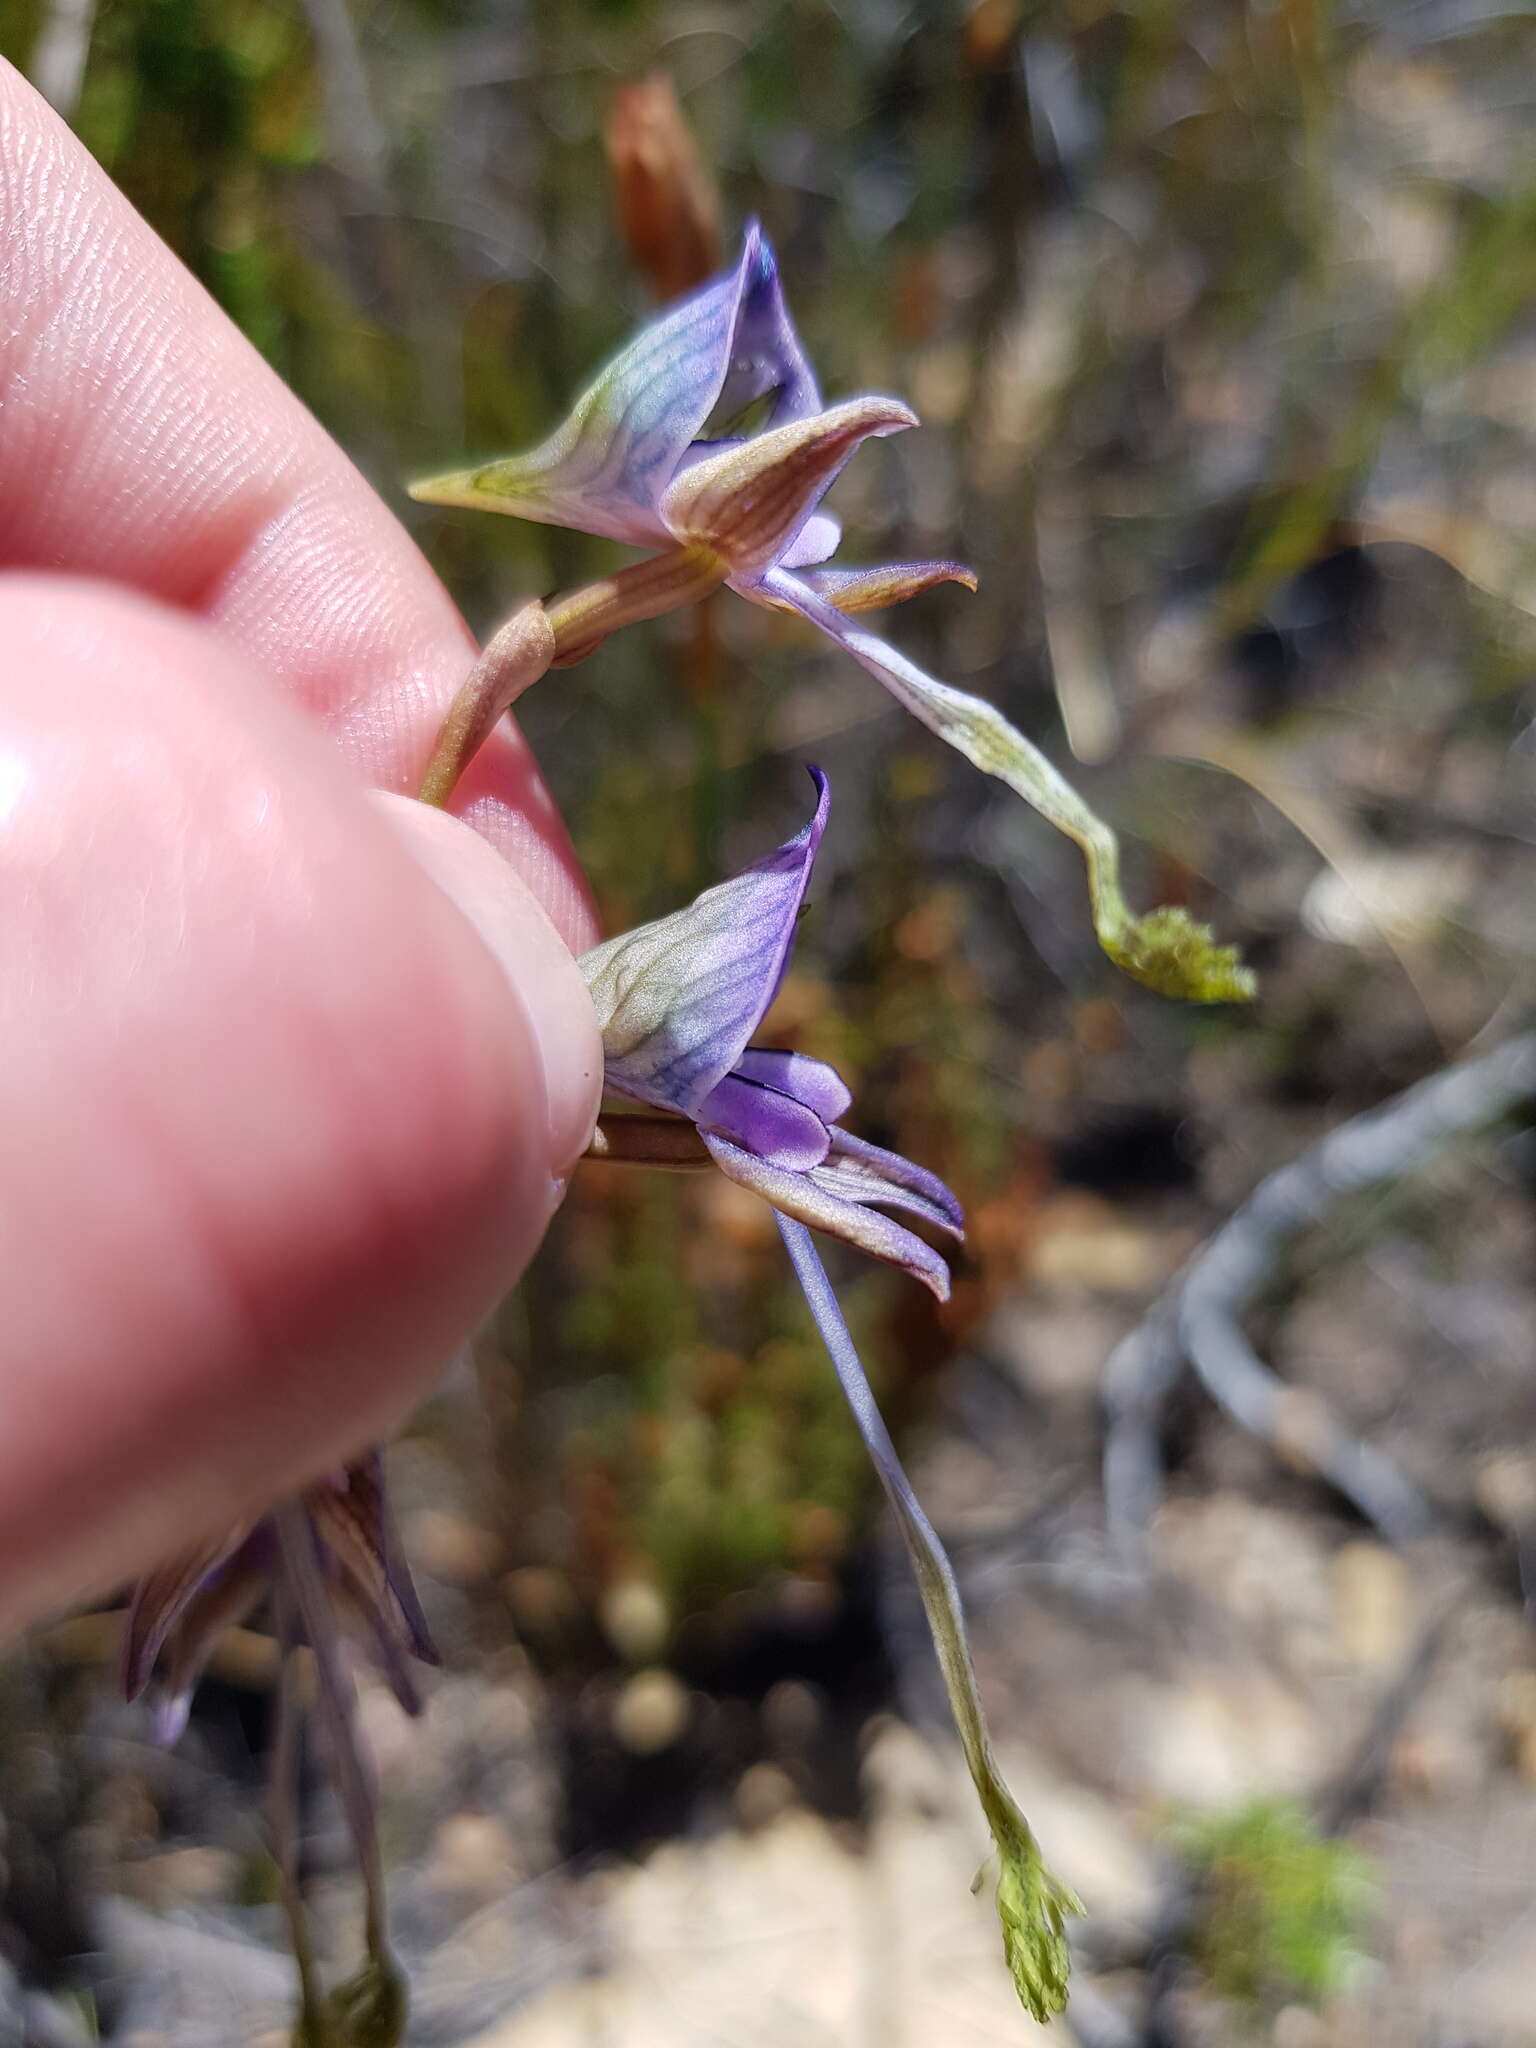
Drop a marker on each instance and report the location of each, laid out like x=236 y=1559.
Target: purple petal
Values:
x=370 y=1579
x=162 y=1597
x=766 y=359
x=604 y=470
x=817 y=539
x=775 y=1126
x=799 y=1195
x=677 y=1000
x=861 y=1172
x=810 y=1081
x=222 y=1602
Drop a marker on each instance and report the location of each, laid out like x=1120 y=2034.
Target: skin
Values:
x=292 y=1072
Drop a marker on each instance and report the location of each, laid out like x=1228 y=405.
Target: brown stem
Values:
x=580 y=619
x=625 y=1139
x=515 y=657
x=554 y=635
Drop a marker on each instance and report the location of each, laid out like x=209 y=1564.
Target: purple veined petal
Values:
x=766 y=359
x=810 y=1081
x=861 y=1172
x=817 y=539
x=162 y=1597
x=678 y=1000
x=749 y=503
x=798 y=1195
x=604 y=470
x=775 y=1126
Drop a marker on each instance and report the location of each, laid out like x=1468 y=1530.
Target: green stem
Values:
x=1031 y=1904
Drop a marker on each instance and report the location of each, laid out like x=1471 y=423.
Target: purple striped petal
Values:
x=678 y=1000
x=810 y=1081
x=861 y=1172
x=605 y=469
x=773 y=1125
x=799 y=1195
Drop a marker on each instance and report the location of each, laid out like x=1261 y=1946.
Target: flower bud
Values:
x=668 y=208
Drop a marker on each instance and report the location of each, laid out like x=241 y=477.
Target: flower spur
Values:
x=635 y=461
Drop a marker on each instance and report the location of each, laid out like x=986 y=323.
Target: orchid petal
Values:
x=766 y=359
x=1165 y=949
x=222 y=1602
x=605 y=469
x=818 y=538
x=774 y=1125
x=801 y=1196
x=350 y=1517
x=810 y=1081
x=861 y=1172
x=160 y=1600
x=871 y=590
x=750 y=501
x=1031 y=1904
x=677 y=1000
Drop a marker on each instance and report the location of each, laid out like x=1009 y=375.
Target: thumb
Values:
x=288 y=1091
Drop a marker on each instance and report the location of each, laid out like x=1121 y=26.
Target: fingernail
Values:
x=543 y=975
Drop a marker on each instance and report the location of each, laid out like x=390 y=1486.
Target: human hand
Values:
x=290 y=1074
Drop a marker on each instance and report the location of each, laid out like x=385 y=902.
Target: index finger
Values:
x=146 y=441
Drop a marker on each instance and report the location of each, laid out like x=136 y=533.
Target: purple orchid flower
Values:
x=678 y=1002
x=178 y=1612
x=331 y=1561
x=636 y=461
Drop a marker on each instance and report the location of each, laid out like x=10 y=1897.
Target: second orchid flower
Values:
x=678 y=1002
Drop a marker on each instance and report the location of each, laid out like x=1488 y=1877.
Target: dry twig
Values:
x=1198 y=1319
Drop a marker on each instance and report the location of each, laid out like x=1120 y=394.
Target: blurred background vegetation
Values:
x=1219 y=317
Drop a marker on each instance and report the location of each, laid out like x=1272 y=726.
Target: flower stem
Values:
x=513 y=658
x=1031 y=1904
x=635 y=1139
x=556 y=633
x=283 y=1824
x=369 y=2008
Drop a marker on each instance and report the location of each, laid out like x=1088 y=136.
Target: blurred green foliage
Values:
x=1281 y=1909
